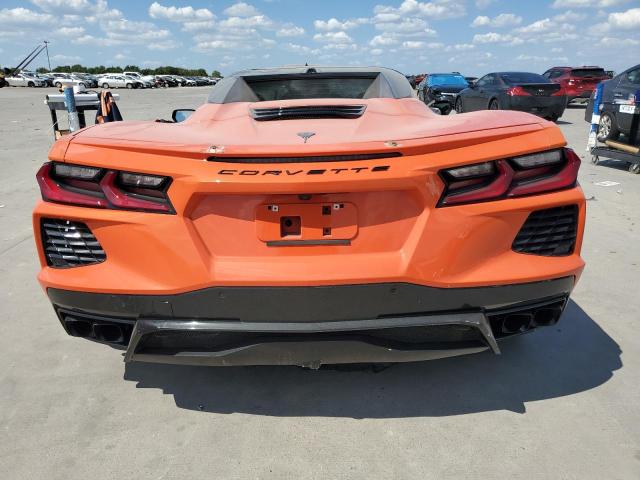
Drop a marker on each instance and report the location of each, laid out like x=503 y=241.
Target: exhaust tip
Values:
x=545 y=317
x=79 y=328
x=516 y=322
x=108 y=333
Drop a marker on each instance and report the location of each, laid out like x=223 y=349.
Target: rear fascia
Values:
x=214 y=224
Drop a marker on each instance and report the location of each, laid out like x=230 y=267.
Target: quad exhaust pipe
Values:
x=102 y=330
x=520 y=321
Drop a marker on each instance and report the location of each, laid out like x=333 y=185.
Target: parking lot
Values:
x=559 y=403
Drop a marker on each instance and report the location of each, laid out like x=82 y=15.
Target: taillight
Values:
x=559 y=93
x=517 y=92
x=514 y=177
x=571 y=82
x=101 y=188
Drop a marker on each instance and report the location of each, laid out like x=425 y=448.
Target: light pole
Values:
x=46 y=46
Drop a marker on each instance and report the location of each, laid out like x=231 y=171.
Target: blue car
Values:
x=440 y=90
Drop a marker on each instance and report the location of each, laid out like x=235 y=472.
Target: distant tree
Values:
x=42 y=70
x=131 y=68
x=216 y=73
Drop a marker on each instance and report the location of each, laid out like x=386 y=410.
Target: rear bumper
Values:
x=542 y=106
x=310 y=326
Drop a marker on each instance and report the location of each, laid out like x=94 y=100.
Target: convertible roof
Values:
x=386 y=83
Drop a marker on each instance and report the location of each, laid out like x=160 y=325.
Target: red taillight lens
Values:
x=99 y=188
x=518 y=92
x=525 y=175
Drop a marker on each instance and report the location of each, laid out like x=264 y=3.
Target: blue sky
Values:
x=473 y=36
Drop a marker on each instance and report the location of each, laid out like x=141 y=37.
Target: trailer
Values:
x=83 y=102
x=618 y=151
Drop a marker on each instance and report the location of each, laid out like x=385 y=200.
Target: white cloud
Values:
x=334 y=24
x=406 y=25
x=198 y=25
x=261 y=21
x=460 y=47
x=69 y=31
x=179 y=14
x=242 y=9
x=413 y=44
x=289 y=30
x=58 y=6
x=65 y=58
x=164 y=45
x=569 y=16
x=625 y=20
x=333 y=37
x=502 y=20
x=24 y=16
x=384 y=40
x=296 y=48
x=493 y=37
x=439 y=9
x=376 y=51
x=618 y=42
x=480 y=4
x=587 y=3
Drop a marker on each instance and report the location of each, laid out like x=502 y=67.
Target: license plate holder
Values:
x=311 y=222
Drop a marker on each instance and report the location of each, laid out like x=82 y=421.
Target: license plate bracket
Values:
x=306 y=221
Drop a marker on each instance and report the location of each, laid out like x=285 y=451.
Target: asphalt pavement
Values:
x=561 y=403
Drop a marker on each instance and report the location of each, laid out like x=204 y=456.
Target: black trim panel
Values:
x=310 y=304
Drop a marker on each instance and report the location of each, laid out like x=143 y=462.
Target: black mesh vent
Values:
x=312 y=111
x=550 y=232
x=69 y=244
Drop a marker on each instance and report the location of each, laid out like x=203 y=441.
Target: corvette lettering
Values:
x=291 y=173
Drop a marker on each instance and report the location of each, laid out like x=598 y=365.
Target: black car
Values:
x=527 y=92
x=440 y=90
x=620 y=107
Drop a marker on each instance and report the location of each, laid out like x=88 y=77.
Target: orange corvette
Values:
x=306 y=216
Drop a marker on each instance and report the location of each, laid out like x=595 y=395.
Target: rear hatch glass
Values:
x=588 y=73
x=310 y=86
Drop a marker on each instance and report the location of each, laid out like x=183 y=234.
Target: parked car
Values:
x=119 y=81
x=24 y=80
x=524 y=91
x=620 y=107
x=168 y=80
x=578 y=82
x=149 y=81
x=65 y=79
x=89 y=80
x=319 y=251
x=441 y=90
x=412 y=80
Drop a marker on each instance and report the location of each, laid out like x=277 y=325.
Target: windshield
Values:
x=296 y=88
x=517 y=78
x=587 y=72
x=438 y=79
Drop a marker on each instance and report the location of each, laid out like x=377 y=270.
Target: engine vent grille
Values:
x=550 y=232
x=69 y=244
x=312 y=111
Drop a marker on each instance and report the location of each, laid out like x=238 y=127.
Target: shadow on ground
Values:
x=574 y=356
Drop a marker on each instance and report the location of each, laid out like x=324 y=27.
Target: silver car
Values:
x=119 y=81
x=24 y=80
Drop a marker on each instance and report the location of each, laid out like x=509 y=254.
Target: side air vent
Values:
x=311 y=111
x=550 y=232
x=69 y=244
